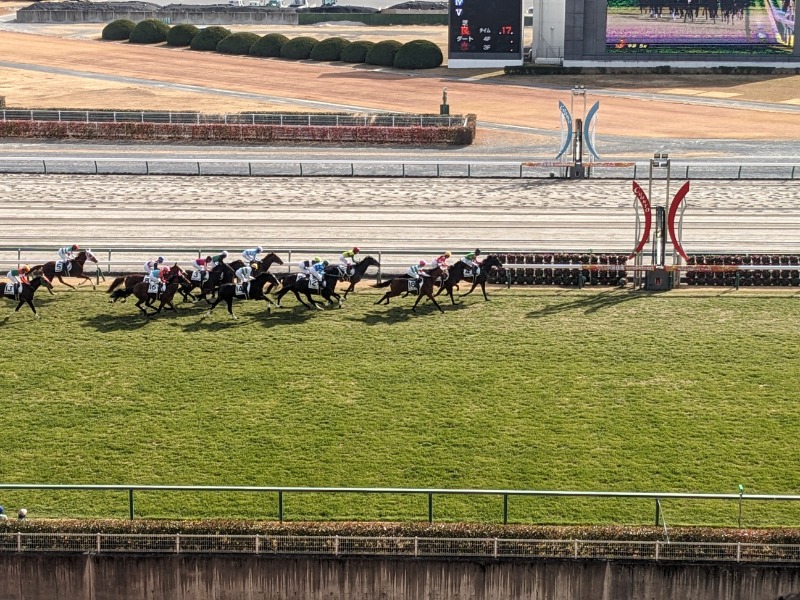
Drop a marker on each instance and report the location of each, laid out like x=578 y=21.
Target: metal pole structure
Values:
x=130 y=505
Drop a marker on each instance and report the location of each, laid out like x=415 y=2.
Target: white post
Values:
x=98 y=543
x=177 y=543
x=416 y=547
x=258 y=545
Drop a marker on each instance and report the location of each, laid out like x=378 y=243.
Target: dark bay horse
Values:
x=131 y=280
x=456 y=274
x=146 y=298
x=253 y=291
x=73 y=268
x=359 y=270
x=219 y=275
x=263 y=265
x=399 y=285
x=300 y=285
x=26 y=294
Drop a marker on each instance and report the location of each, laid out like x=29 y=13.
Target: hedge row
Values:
x=749 y=277
x=561 y=277
x=417 y=54
x=246 y=133
x=408 y=529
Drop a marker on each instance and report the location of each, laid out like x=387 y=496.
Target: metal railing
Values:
x=196 y=118
x=244 y=167
x=409 y=547
x=282 y=491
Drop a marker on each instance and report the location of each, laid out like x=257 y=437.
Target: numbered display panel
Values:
x=485 y=33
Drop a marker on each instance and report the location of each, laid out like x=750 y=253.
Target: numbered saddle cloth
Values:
x=152 y=287
x=412 y=286
x=243 y=290
x=62 y=266
x=198 y=276
x=468 y=273
x=313 y=284
x=9 y=289
x=344 y=272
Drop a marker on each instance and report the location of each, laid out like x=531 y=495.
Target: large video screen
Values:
x=485 y=29
x=700 y=26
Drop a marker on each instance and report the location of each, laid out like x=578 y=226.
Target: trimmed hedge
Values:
x=238 y=43
x=418 y=54
x=298 y=48
x=118 y=30
x=383 y=53
x=269 y=46
x=181 y=35
x=149 y=31
x=208 y=39
x=329 y=49
x=356 y=52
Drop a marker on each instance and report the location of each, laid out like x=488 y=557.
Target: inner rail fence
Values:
x=401 y=547
x=430 y=493
x=244 y=167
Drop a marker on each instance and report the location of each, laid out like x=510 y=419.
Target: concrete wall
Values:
x=245 y=577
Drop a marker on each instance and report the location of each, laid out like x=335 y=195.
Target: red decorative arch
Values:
x=648 y=217
x=673 y=210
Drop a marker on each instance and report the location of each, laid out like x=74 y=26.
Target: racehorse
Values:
x=131 y=280
x=141 y=291
x=399 y=285
x=263 y=265
x=456 y=274
x=359 y=270
x=300 y=284
x=219 y=275
x=26 y=293
x=227 y=292
x=72 y=268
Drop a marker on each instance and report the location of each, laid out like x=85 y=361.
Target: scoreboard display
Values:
x=485 y=33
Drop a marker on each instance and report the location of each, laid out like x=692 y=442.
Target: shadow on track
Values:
x=591 y=303
x=108 y=323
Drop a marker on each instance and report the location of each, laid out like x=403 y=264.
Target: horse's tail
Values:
x=120 y=294
x=115 y=284
x=383 y=284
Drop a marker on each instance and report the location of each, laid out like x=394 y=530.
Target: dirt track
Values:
x=494 y=102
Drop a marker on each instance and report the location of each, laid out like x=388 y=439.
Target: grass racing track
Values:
x=551 y=389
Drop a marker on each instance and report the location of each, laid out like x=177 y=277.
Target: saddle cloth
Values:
x=153 y=287
x=9 y=289
x=62 y=266
x=313 y=284
x=198 y=276
x=344 y=272
x=412 y=286
x=243 y=290
x=468 y=273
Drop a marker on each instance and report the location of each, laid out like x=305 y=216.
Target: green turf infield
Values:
x=687 y=391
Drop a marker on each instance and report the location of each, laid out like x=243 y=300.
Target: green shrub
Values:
x=357 y=51
x=118 y=30
x=382 y=53
x=149 y=31
x=238 y=43
x=181 y=35
x=209 y=37
x=330 y=49
x=269 y=45
x=298 y=48
x=418 y=54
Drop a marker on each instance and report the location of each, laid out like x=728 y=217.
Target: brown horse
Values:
x=399 y=285
x=72 y=268
x=263 y=265
x=358 y=271
x=131 y=280
x=26 y=294
x=456 y=274
x=141 y=291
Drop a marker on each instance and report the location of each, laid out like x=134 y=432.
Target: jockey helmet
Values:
x=356 y=249
x=224 y=254
x=74 y=246
x=325 y=263
x=316 y=259
x=259 y=249
x=160 y=259
x=448 y=254
x=477 y=251
x=209 y=259
x=422 y=263
x=24 y=269
x=253 y=265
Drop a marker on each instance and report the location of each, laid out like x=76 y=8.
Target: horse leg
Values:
x=89 y=279
x=314 y=303
x=269 y=305
x=72 y=287
x=435 y=303
x=229 y=302
x=140 y=307
x=385 y=297
x=472 y=289
x=33 y=308
x=483 y=289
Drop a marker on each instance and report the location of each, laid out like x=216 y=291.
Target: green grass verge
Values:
x=567 y=390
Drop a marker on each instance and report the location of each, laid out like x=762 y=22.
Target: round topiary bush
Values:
x=149 y=31
x=418 y=54
x=118 y=30
x=298 y=48
x=181 y=35
x=330 y=49
x=208 y=38
x=382 y=53
x=269 y=45
x=238 y=43
x=357 y=51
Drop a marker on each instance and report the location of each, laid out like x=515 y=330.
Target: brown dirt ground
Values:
x=493 y=97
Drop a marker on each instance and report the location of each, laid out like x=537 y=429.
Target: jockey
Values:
x=18 y=277
x=441 y=261
x=251 y=255
x=215 y=260
x=245 y=273
x=305 y=266
x=416 y=272
x=201 y=264
x=153 y=264
x=348 y=258
x=317 y=271
x=67 y=252
x=471 y=260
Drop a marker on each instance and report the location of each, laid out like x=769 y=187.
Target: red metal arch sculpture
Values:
x=648 y=217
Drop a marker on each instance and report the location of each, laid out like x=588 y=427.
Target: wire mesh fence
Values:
x=416 y=547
